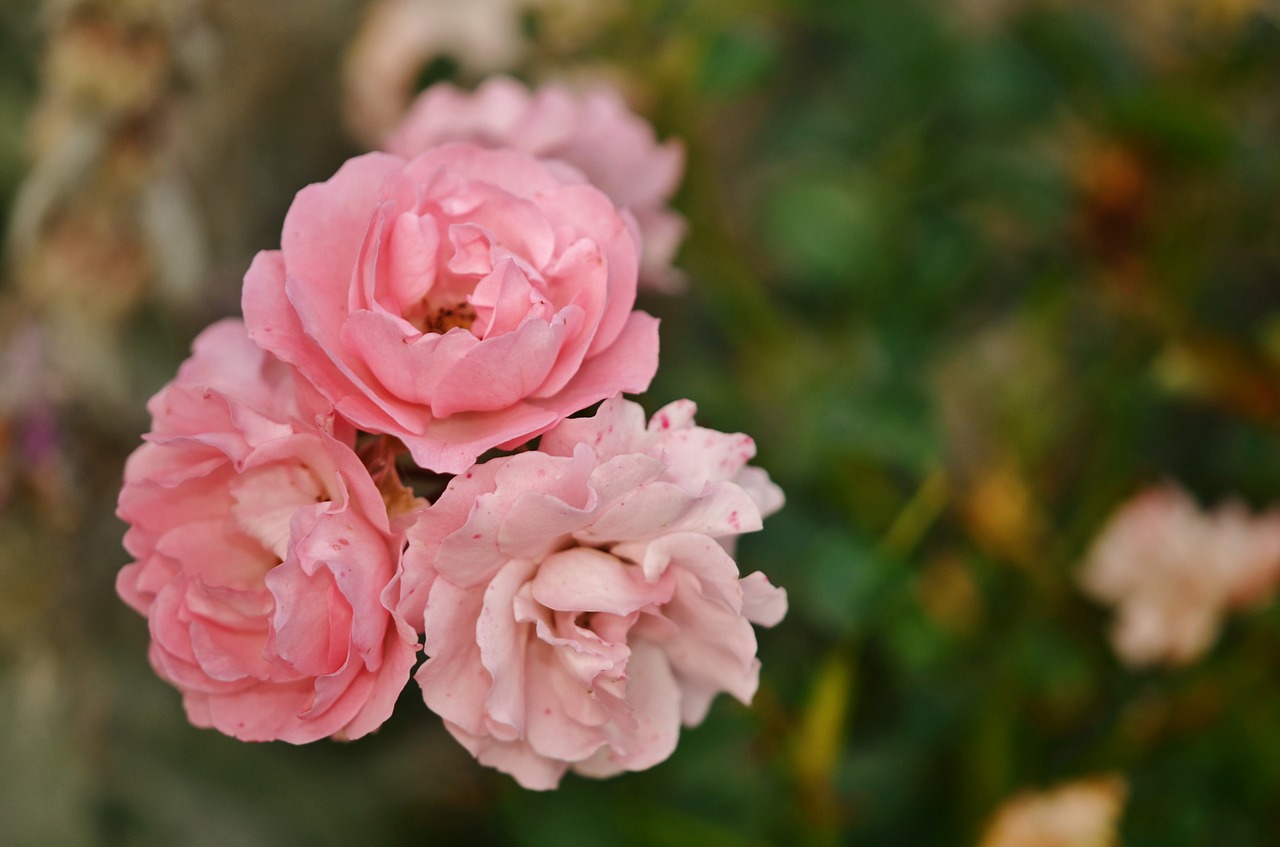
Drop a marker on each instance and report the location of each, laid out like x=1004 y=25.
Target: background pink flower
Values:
x=577 y=602
x=262 y=549
x=461 y=300
x=594 y=131
x=1173 y=571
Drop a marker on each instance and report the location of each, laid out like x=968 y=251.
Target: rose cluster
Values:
x=310 y=517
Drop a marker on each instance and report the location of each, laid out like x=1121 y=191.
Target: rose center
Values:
x=441 y=319
x=378 y=454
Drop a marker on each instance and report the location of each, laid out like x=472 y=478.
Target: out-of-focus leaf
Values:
x=738 y=58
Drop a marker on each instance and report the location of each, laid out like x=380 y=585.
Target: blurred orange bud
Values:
x=1001 y=514
x=1083 y=813
x=947 y=593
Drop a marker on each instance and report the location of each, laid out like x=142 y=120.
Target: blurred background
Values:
x=972 y=273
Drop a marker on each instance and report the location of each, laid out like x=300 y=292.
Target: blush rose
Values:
x=460 y=300
x=579 y=603
x=594 y=131
x=262 y=548
x=1173 y=571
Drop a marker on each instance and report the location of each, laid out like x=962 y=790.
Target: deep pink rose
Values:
x=461 y=300
x=593 y=131
x=262 y=547
x=578 y=603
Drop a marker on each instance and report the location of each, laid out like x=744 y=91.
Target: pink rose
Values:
x=461 y=300
x=578 y=603
x=262 y=547
x=1173 y=571
x=594 y=131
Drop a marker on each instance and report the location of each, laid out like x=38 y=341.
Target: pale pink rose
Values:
x=593 y=131
x=578 y=603
x=1247 y=547
x=262 y=547
x=1173 y=571
x=461 y=300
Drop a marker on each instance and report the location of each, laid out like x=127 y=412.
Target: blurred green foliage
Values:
x=970 y=273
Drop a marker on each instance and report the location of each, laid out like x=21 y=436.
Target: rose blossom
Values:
x=577 y=602
x=460 y=300
x=1082 y=813
x=593 y=131
x=262 y=547
x=1173 y=570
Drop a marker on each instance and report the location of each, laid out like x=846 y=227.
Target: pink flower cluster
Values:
x=576 y=601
